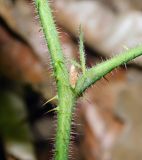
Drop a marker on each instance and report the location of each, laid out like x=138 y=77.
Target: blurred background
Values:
x=107 y=122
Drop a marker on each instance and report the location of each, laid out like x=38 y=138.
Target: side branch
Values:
x=82 y=52
x=95 y=73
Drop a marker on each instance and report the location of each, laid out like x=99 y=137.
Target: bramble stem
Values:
x=67 y=96
x=82 y=52
x=97 y=72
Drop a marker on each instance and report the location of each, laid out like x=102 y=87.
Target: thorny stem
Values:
x=66 y=94
x=66 y=98
x=97 y=72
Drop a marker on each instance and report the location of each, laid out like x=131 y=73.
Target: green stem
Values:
x=95 y=73
x=66 y=94
x=82 y=52
x=66 y=97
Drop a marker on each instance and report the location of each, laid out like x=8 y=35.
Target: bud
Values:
x=73 y=76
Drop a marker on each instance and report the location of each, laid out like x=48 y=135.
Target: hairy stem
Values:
x=66 y=97
x=66 y=94
x=97 y=72
x=82 y=52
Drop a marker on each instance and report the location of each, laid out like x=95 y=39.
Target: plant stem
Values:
x=66 y=97
x=82 y=52
x=66 y=94
x=97 y=72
